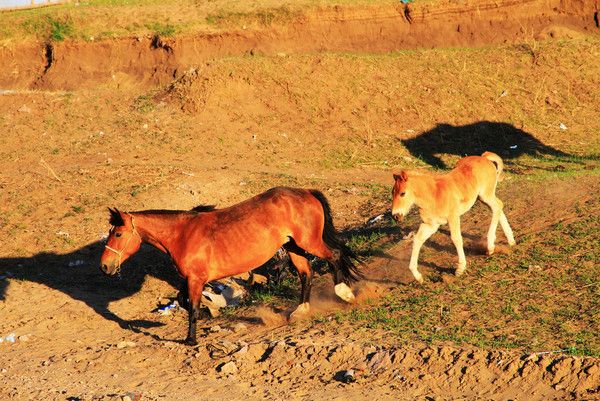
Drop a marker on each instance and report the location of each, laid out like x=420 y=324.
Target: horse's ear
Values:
x=402 y=176
x=116 y=219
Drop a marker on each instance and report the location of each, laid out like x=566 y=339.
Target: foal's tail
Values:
x=344 y=262
x=494 y=158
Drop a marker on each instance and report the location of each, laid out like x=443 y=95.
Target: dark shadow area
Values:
x=504 y=139
x=77 y=274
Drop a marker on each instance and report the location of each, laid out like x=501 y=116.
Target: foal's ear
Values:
x=402 y=176
x=116 y=218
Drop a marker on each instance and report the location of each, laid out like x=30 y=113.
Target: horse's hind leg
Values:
x=319 y=248
x=305 y=273
x=497 y=216
x=456 y=235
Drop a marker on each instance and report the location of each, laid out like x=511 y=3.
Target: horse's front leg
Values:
x=425 y=231
x=195 y=286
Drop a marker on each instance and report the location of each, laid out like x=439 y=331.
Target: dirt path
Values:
x=72 y=352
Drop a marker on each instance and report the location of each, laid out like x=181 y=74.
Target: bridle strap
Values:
x=120 y=253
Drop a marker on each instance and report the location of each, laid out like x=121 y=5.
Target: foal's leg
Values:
x=506 y=228
x=425 y=231
x=497 y=216
x=195 y=287
x=455 y=234
x=305 y=274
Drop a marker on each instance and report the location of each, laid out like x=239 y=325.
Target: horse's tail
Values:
x=494 y=158
x=344 y=262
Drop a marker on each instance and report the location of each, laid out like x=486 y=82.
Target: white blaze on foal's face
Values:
x=402 y=197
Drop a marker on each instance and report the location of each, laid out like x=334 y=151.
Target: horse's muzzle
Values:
x=398 y=217
x=108 y=270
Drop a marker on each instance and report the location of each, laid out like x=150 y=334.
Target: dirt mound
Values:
x=296 y=362
x=154 y=60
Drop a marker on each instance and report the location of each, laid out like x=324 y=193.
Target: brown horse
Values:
x=208 y=244
x=444 y=198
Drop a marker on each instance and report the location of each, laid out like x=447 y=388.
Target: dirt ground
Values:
x=330 y=100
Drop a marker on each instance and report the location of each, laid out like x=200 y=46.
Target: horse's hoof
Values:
x=301 y=312
x=459 y=272
x=344 y=292
x=490 y=251
x=512 y=243
x=190 y=341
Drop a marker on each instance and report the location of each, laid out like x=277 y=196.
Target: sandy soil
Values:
x=142 y=129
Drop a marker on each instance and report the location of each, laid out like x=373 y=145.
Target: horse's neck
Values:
x=160 y=231
x=424 y=189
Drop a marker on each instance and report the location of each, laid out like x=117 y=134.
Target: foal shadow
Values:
x=503 y=139
x=77 y=274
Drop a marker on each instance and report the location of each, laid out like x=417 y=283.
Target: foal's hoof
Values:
x=459 y=272
x=344 y=292
x=490 y=251
x=512 y=243
x=190 y=341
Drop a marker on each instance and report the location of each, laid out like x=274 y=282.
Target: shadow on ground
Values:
x=77 y=274
x=503 y=139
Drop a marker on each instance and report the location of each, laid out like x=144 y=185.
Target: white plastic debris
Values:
x=167 y=309
x=375 y=219
x=562 y=127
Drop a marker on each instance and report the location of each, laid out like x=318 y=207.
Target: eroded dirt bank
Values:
x=69 y=65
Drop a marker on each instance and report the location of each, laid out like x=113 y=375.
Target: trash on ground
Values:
x=562 y=126
x=375 y=219
x=78 y=262
x=167 y=309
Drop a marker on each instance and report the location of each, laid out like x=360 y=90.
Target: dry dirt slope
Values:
x=74 y=351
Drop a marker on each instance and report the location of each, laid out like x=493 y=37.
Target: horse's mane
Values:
x=197 y=209
x=203 y=208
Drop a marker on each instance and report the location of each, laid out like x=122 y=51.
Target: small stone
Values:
x=228 y=368
x=215 y=329
x=241 y=352
x=126 y=398
x=348 y=376
x=24 y=337
x=125 y=344
x=3 y=370
x=24 y=109
x=239 y=327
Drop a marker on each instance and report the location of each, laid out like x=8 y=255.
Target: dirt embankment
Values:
x=151 y=61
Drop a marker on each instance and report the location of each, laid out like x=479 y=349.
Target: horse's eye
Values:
x=117 y=235
x=403 y=193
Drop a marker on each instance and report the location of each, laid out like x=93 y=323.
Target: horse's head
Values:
x=402 y=197
x=122 y=242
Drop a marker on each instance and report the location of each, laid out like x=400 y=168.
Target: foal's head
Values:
x=123 y=241
x=402 y=197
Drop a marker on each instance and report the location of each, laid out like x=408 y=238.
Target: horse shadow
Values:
x=78 y=275
x=504 y=139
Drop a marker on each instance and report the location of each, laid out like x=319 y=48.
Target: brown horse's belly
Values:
x=244 y=256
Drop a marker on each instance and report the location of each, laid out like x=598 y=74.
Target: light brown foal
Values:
x=444 y=198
